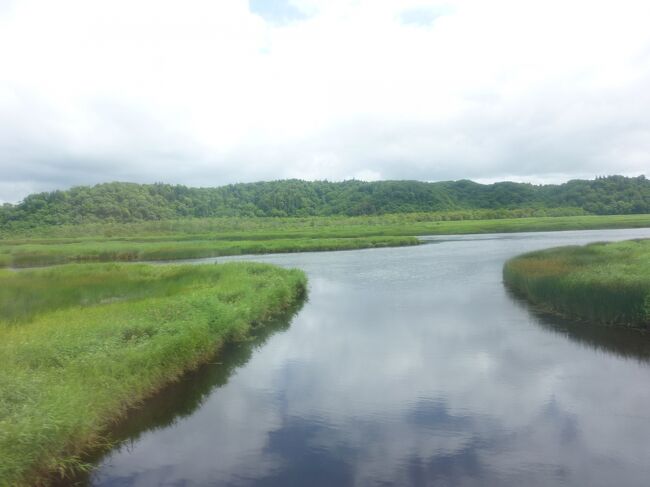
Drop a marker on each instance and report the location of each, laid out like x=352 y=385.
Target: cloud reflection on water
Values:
x=415 y=367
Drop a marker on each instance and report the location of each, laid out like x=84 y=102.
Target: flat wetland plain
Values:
x=190 y=239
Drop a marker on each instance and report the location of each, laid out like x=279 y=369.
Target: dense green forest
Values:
x=130 y=202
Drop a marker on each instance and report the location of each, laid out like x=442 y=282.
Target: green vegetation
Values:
x=39 y=254
x=600 y=282
x=80 y=344
x=128 y=202
x=134 y=222
x=195 y=238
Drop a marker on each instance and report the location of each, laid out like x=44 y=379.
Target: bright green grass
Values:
x=184 y=239
x=39 y=254
x=321 y=227
x=600 y=282
x=79 y=344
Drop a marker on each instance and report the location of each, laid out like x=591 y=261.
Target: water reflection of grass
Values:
x=625 y=342
x=80 y=345
x=603 y=283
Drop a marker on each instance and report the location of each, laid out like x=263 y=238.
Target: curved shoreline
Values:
x=181 y=240
x=607 y=283
x=68 y=373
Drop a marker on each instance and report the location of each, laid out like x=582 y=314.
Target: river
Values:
x=406 y=366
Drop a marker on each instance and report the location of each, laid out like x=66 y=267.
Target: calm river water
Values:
x=407 y=366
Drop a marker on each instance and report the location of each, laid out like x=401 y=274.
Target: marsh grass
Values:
x=83 y=343
x=42 y=254
x=600 y=282
x=213 y=237
x=180 y=399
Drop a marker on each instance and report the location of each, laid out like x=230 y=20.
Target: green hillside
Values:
x=130 y=202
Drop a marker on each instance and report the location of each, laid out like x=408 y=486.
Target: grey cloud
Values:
x=141 y=149
x=563 y=125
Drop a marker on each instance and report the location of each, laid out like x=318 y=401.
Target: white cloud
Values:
x=93 y=91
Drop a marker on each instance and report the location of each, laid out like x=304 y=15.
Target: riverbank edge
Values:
x=549 y=293
x=70 y=458
x=185 y=251
x=145 y=246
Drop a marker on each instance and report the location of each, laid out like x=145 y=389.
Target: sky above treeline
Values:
x=206 y=93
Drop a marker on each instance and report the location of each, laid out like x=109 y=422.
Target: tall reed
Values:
x=81 y=344
x=600 y=282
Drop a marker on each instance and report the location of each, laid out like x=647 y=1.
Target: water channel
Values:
x=406 y=366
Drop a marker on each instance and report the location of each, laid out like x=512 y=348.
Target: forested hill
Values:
x=127 y=202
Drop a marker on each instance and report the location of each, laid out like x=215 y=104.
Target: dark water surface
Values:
x=408 y=366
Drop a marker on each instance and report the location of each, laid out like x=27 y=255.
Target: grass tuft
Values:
x=600 y=282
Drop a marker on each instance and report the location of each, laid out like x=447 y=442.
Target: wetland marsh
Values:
x=410 y=366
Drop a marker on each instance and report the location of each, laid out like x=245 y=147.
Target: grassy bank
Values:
x=38 y=254
x=80 y=344
x=195 y=238
x=600 y=282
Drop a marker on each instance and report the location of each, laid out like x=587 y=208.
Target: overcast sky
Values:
x=210 y=92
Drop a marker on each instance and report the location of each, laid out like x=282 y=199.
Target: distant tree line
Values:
x=130 y=202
